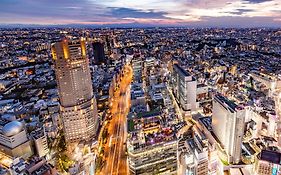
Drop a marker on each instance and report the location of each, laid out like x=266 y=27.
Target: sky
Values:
x=204 y=13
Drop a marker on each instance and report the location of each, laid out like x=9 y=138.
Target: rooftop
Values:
x=226 y=102
x=181 y=70
x=11 y=128
x=147 y=114
x=271 y=156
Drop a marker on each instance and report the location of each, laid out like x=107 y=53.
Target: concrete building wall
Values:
x=13 y=141
x=228 y=126
x=184 y=88
x=78 y=105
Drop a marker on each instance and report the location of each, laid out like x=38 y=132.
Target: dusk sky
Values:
x=228 y=13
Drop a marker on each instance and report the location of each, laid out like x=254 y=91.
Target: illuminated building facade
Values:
x=228 y=125
x=78 y=105
x=40 y=141
x=152 y=149
x=13 y=139
x=184 y=88
x=196 y=159
x=155 y=159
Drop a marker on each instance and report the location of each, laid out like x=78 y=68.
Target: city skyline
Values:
x=126 y=87
x=126 y=13
x=140 y=101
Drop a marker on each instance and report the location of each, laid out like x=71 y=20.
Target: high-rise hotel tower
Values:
x=77 y=103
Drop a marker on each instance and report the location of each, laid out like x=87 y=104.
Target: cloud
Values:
x=257 y=1
x=160 y=12
x=238 y=21
x=206 y=4
x=62 y=10
x=133 y=13
x=241 y=11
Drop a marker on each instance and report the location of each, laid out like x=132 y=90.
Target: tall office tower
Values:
x=78 y=105
x=109 y=45
x=184 y=88
x=228 y=125
x=99 y=55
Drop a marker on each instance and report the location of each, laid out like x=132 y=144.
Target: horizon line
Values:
x=128 y=25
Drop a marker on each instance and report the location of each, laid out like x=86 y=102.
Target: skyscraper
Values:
x=109 y=43
x=99 y=55
x=78 y=105
x=184 y=88
x=228 y=124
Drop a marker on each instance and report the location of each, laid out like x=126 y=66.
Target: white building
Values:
x=40 y=141
x=184 y=88
x=271 y=82
x=193 y=154
x=228 y=125
x=152 y=149
x=13 y=139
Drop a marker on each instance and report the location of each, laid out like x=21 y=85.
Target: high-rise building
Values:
x=184 y=88
x=109 y=44
x=137 y=65
x=99 y=55
x=77 y=103
x=228 y=122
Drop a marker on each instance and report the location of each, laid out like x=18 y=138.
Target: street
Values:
x=115 y=147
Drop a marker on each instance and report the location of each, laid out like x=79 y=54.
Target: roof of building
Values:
x=226 y=101
x=147 y=114
x=271 y=156
x=181 y=70
x=12 y=128
x=8 y=116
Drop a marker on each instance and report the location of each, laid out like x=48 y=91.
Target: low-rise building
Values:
x=152 y=148
x=40 y=141
x=13 y=139
x=267 y=163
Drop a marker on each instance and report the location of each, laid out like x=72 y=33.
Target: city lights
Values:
x=151 y=87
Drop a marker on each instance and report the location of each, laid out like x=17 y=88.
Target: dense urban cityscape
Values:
x=140 y=101
x=151 y=87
